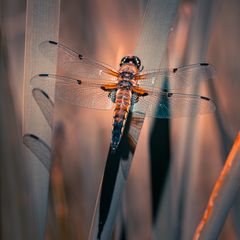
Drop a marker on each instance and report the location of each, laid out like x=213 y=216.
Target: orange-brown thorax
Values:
x=127 y=73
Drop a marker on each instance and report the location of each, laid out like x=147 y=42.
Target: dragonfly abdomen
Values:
x=122 y=105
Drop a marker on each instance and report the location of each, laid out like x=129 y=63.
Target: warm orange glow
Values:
x=119 y=55
x=225 y=171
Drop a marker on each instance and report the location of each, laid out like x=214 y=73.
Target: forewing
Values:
x=85 y=92
x=167 y=105
x=177 y=78
x=75 y=64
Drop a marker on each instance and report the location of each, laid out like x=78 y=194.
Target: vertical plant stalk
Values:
x=42 y=22
x=222 y=196
x=16 y=221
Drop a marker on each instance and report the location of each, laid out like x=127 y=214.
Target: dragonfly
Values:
x=128 y=89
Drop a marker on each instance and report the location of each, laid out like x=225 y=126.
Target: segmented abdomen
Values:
x=122 y=105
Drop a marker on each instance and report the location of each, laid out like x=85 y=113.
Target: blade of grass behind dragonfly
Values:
x=180 y=211
x=42 y=23
x=159 y=158
x=227 y=119
x=17 y=222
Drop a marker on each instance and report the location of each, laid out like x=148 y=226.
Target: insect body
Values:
x=92 y=84
x=126 y=93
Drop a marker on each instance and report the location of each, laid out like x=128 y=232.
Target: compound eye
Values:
x=137 y=61
x=124 y=60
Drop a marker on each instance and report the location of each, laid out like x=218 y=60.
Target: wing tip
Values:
x=204 y=64
x=211 y=103
x=31 y=135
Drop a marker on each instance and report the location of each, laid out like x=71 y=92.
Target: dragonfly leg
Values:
x=135 y=98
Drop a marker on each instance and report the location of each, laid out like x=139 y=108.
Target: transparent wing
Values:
x=75 y=64
x=44 y=103
x=167 y=105
x=85 y=92
x=39 y=148
x=176 y=78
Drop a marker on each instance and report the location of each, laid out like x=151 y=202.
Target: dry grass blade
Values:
x=222 y=196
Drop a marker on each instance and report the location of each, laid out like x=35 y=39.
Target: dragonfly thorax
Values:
x=126 y=75
x=125 y=84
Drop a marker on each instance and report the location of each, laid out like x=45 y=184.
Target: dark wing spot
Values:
x=204 y=64
x=43 y=75
x=52 y=42
x=205 y=98
x=34 y=136
x=79 y=82
x=175 y=69
x=80 y=56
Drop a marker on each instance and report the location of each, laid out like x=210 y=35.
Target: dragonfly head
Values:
x=131 y=59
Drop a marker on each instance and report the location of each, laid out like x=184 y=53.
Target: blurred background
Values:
x=176 y=162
